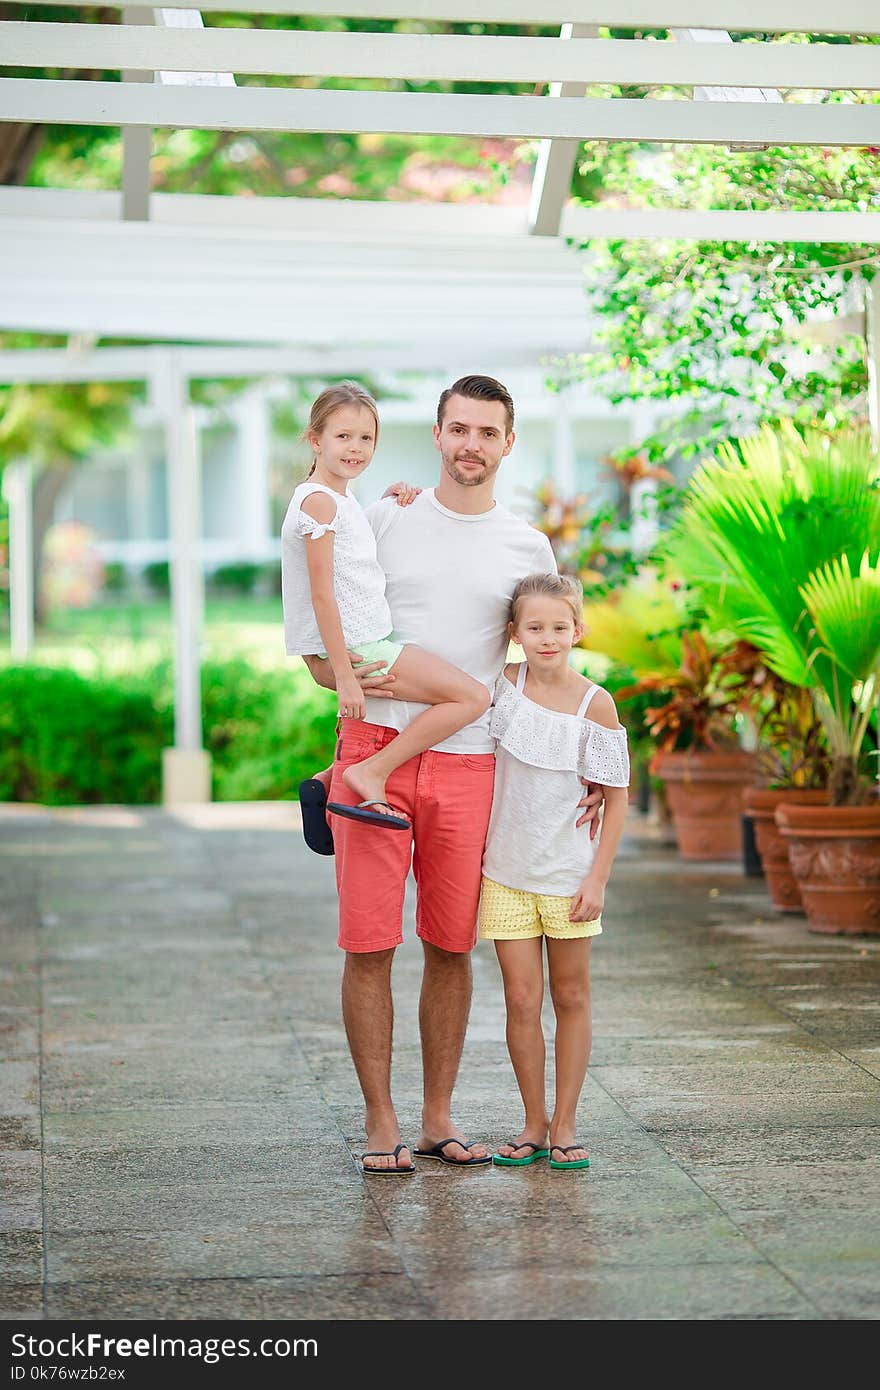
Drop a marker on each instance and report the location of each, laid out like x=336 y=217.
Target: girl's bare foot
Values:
x=366 y=786
x=517 y=1147
x=563 y=1137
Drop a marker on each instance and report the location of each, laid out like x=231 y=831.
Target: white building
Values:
x=248 y=473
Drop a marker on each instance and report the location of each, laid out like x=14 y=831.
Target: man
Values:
x=452 y=559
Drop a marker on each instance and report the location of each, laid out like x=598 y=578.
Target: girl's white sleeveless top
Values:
x=358 y=578
x=541 y=755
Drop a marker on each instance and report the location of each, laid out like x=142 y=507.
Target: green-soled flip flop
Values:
x=505 y=1161
x=576 y=1163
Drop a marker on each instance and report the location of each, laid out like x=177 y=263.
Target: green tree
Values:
x=714 y=325
x=56 y=427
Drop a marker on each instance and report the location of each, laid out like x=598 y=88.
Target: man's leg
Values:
x=368 y=1012
x=371 y=870
x=444 y=1006
x=453 y=802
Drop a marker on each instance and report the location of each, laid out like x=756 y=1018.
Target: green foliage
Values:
x=714 y=325
x=780 y=538
x=66 y=740
x=115 y=577
x=240 y=577
x=158 y=576
x=62 y=423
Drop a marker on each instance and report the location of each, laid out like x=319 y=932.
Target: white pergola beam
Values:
x=196 y=54
x=551 y=184
x=762 y=16
x=406 y=113
x=307 y=227
x=677 y=224
x=46 y=365
x=137 y=141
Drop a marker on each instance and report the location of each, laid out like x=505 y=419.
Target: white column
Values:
x=872 y=335
x=254 y=438
x=645 y=527
x=564 y=458
x=18 y=491
x=186 y=766
x=137 y=141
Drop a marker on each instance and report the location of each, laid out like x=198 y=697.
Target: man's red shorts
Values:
x=448 y=798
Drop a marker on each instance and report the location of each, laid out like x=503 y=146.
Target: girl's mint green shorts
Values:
x=386 y=649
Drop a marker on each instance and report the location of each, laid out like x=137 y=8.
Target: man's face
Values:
x=473 y=439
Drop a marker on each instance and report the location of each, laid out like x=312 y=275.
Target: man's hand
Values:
x=404 y=492
x=593 y=800
x=372 y=676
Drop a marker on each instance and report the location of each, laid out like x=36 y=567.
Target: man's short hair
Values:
x=478 y=388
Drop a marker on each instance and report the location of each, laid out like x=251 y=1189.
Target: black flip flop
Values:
x=438 y=1152
x=362 y=813
x=386 y=1172
x=313 y=806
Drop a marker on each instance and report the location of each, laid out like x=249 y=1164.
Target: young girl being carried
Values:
x=333 y=591
x=543 y=877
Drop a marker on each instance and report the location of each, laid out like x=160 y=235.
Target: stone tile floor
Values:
x=178 y=1109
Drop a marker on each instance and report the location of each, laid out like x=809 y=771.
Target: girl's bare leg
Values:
x=569 y=963
x=456 y=699
x=522 y=968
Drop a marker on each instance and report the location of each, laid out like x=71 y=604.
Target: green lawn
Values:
x=114 y=638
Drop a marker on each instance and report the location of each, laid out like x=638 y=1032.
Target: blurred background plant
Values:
x=779 y=538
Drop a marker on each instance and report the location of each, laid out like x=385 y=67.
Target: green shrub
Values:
x=265 y=730
x=115 y=577
x=67 y=741
x=241 y=577
x=271 y=577
x=158 y=576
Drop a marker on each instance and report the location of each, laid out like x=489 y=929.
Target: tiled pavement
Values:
x=178 y=1109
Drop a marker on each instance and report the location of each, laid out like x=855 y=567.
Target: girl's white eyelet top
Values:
x=358 y=578
x=541 y=755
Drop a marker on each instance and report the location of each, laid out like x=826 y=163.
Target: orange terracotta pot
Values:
x=705 y=792
x=760 y=803
x=835 y=857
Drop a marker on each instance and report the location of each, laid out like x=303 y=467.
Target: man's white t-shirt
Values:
x=450 y=579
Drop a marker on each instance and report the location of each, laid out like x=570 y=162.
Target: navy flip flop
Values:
x=362 y=812
x=438 y=1151
x=385 y=1172
x=313 y=806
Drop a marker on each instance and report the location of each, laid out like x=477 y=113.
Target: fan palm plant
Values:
x=781 y=536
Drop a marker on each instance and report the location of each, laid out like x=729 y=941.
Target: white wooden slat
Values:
x=257 y=227
x=848 y=228
x=198 y=54
x=513 y=117
x=47 y=365
x=285 y=218
x=394 y=228
x=245 y=253
x=761 y=16
x=120 y=319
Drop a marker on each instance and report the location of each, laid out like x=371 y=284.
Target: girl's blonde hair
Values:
x=330 y=399
x=563 y=586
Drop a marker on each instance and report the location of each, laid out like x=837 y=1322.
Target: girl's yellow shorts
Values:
x=512 y=914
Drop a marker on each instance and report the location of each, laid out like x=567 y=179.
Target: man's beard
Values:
x=470 y=479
